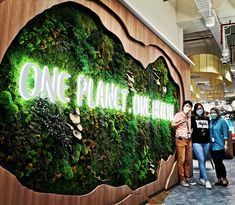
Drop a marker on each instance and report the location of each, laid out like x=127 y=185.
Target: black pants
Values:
x=217 y=157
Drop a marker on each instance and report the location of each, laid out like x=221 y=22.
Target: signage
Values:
x=104 y=95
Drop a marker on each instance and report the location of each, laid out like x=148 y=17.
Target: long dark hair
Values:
x=196 y=107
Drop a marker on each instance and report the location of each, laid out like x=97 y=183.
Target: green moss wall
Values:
x=37 y=137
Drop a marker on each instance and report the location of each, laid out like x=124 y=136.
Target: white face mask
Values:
x=199 y=111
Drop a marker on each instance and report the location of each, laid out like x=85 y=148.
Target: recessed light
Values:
x=210 y=21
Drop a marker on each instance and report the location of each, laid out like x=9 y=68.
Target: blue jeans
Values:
x=201 y=151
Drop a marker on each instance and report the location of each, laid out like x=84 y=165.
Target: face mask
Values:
x=214 y=115
x=199 y=111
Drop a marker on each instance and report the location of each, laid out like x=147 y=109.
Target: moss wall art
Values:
x=70 y=148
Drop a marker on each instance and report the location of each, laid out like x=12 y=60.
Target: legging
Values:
x=217 y=157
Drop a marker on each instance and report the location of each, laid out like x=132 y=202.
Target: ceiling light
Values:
x=232 y=68
x=225 y=52
x=223 y=61
x=210 y=21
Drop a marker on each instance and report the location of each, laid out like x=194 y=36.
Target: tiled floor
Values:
x=199 y=195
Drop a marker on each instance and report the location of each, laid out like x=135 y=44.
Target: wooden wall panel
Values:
x=173 y=177
x=13 y=193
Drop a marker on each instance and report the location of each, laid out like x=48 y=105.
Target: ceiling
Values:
x=199 y=39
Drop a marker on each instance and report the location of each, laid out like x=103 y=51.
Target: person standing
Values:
x=219 y=134
x=201 y=141
x=182 y=123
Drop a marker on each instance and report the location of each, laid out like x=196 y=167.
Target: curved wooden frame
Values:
x=12 y=192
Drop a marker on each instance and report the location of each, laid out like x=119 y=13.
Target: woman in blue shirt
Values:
x=219 y=134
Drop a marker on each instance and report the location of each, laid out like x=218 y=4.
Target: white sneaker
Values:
x=202 y=182
x=184 y=183
x=190 y=181
x=208 y=185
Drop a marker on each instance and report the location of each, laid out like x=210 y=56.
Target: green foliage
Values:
x=144 y=163
x=156 y=145
x=44 y=37
x=113 y=131
x=36 y=139
x=127 y=172
x=166 y=138
x=5 y=99
x=163 y=71
x=77 y=153
x=8 y=107
x=66 y=170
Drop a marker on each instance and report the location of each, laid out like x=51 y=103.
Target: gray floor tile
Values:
x=199 y=195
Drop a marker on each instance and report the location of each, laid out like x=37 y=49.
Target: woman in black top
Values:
x=201 y=141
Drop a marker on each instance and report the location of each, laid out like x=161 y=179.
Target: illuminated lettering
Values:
x=155 y=109
x=62 y=87
x=145 y=107
x=111 y=96
x=100 y=96
x=141 y=105
x=162 y=110
x=124 y=98
x=49 y=86
x=24 y=74
x=90 y=100
x=104 y=95
x=135 y=105
x=43 y=83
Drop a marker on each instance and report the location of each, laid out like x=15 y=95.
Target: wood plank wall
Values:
x=13 y=193
x=136 y=38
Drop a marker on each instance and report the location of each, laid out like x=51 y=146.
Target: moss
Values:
x=9 y=109
x=5 y=98
x=66 y=170
x=77 y=152
x=166 y=138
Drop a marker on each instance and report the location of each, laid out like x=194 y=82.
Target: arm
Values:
x=225 y=134
x=177 y=120
x=225 y=145
x=225 y=130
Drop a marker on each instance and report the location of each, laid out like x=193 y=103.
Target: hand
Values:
x=182 y=121
x=226 y=147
